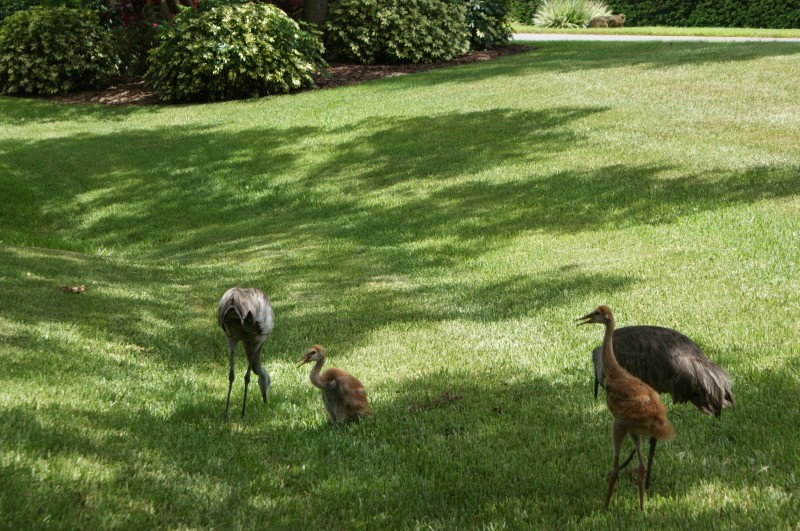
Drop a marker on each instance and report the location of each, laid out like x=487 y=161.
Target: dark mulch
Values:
x=131 y=91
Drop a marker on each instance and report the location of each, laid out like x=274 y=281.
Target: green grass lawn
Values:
x=439 y=234
x=665 y=30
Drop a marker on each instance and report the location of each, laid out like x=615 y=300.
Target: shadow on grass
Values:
x=256 y=181
x=146 y=312
x=404 y=198
x=141 y=307
x=413 y=180
x=448 y=461
x=17 y=111
x=443 y=449
x=588 y=56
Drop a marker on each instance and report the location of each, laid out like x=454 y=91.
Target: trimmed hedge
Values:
x=231 y=52
x=778 y=14
x=397 y=31
x=53 y=51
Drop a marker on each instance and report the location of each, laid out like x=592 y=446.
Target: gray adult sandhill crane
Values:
x=669 y=362
x=636 y=407
x=245 y=314
x=343 y=395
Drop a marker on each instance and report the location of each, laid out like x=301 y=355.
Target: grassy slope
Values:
x=666 y=30
x=437 y=232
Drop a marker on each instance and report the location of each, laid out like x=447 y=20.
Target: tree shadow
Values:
x=406 y=180
x=447 y=448
x=436 y=463
x=17 y=111
x=589 y=56
x=412 y=196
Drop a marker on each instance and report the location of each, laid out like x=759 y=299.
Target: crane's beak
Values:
x=302 y=361
x=586 y=319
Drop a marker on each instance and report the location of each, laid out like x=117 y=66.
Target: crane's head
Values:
x=601 y=315
x=315 y=353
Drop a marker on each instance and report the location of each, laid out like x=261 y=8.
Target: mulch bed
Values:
x=131 y=91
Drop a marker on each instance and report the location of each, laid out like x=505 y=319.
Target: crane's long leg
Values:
x=637 y=444
x=651 y=452
x=628 y=459
x=263 y=375
x=246 y=383
x=231 y=376
x=618 y=433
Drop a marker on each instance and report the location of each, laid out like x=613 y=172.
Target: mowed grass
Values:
x=439 y=234
x=667 y=31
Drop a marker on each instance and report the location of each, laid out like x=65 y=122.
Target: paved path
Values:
x=642 y=38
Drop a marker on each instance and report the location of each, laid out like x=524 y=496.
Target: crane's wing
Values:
x=352 y=392
x=633 y=399
x=670 y=362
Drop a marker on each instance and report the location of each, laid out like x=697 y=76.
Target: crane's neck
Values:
x=315 y=379
x=610 y=365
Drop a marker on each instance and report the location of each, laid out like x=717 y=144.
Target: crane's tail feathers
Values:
x=662 y=430
x=718 y=394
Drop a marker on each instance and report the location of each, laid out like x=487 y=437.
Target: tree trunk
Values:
x=316 y=12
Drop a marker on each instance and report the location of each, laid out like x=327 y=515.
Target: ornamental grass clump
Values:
x=55 y=50
x=233 y=51
x=569 y=13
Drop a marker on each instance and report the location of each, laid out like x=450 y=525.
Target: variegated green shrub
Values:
x=53 y=51
x=233 y=51
x=397 y=31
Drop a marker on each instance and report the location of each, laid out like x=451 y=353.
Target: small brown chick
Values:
x=343 y=395
x=637 y=408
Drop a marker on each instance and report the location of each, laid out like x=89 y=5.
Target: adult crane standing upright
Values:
x=636 y=407
x=669 y=362
x=245 y=314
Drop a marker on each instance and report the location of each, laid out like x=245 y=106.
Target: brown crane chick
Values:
x=637 y=408
x=343 y=395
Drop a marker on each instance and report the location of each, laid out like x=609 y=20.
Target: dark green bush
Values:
x=134 y=41
x=488 y=24
x=232 y=52
x=53 y=51
x=397 y=31
x=718 y=13
x=135 y=24
x=523 y=10
x=9 y=7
